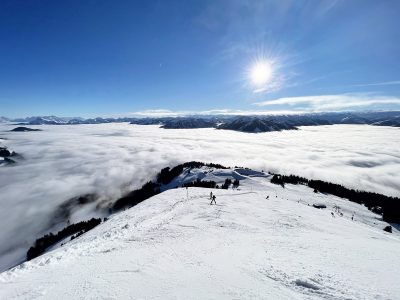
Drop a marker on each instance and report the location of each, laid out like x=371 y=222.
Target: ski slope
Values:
x=177 y=246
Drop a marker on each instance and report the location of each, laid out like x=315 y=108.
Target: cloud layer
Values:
x=61 y=162
x=334 y=102
x=157 y=113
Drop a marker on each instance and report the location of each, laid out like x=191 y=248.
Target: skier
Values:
x=211 y=195
x=213 y=200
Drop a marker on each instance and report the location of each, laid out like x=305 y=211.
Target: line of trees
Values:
x=236 y=183
x=50 y=239
x=203 y=184
x=212 y=184
x=148 y=190
x=226 y=184
x=388 y=207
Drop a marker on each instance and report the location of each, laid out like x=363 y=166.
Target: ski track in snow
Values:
x=246 y=247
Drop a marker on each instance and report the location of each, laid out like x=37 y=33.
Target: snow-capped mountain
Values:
x=255 y=124
x=260 y=241
x=182 y=123
x=45 y=120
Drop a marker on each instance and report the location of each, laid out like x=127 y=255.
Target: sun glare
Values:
x=261 y=73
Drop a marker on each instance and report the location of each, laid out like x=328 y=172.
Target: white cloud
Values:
x=333 y=102
x=65 y=161
x=215 y=112
x=155 y=113
x=396 y=82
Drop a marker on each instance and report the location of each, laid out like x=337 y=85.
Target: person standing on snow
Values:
x=213 y=200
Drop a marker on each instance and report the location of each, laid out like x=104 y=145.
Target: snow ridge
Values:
x=177 y=245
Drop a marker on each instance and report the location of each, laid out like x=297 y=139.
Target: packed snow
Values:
x=260 y=241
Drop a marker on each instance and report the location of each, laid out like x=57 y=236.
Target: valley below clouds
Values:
x=62 y=162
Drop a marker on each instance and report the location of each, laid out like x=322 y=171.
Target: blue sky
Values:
x=106 y=58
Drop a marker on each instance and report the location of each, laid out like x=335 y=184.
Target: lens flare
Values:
x=261 y=73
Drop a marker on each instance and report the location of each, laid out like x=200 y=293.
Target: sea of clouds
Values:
x=62 y=162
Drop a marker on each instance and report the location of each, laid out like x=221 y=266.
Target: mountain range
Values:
x=249 y=123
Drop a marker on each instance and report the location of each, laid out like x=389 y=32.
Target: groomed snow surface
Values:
x=177 y=246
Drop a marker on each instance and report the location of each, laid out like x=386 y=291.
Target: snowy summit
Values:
x=259 y=241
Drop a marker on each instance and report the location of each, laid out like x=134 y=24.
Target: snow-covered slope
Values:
x=177 y=246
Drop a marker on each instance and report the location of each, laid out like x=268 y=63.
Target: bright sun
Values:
x=260 y=73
